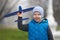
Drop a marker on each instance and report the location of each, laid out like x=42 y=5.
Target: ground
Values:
x=10 y=34
x=14 y=34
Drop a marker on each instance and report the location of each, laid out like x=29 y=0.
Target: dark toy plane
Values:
x=20 y=10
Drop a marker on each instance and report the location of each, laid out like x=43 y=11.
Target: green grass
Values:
x=10 y=34
x=58 y=28
x=14 y=34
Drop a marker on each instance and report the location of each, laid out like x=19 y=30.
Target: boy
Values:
x=37 y=28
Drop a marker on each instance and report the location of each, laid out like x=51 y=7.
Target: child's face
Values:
x=37 y=16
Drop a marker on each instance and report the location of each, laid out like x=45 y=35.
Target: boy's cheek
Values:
x=40 y=16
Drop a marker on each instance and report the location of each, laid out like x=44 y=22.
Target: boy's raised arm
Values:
x=20 y=25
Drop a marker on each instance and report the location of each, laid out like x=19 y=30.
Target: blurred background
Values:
x=8 y=26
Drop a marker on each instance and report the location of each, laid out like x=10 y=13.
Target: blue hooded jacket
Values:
x=38 y=31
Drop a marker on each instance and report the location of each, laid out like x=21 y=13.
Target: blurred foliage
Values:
x=10 y=34
x=56 y=9
x=14 y=34
x=58 y=28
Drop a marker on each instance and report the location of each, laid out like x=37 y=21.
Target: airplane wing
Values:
x=20 y=10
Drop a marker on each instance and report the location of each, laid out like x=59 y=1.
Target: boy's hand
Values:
x=19 y=14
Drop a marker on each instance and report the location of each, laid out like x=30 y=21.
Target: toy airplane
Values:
x=20 y=10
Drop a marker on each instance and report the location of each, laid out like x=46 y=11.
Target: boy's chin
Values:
x=37 y=20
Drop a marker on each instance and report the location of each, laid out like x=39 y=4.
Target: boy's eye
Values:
x=34 y=14
x=39 y=14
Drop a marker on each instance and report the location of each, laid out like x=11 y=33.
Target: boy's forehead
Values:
x=36 y=12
